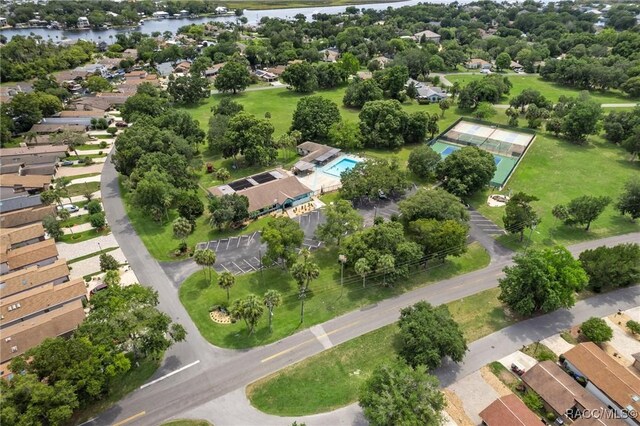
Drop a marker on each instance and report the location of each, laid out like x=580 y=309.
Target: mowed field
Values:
x=551 y=91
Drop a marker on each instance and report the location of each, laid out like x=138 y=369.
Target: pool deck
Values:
x=319 y=180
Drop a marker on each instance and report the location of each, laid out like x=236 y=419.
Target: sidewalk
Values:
x=85 y=180
x=79 y=198
x=75 y=171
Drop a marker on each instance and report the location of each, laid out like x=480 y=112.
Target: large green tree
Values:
x=383 y=124
x=440 y=239
x=371 y=178
x=542 y=281
x=340 y=219
x=466 y=170
x=611 y=267
x=301 y=77
x=397 y=394
x=228 y=210
x=629 y=200
x=428 y=334
x=233 y=77
x=359 y=92
x=189 y=89
x=314 y=116
x=432 y=204
x=251 y=137
x=283 y=237
x=154 y=194
x=423 y=161
x=345 y=135
x=582 y=210
x=519 y=215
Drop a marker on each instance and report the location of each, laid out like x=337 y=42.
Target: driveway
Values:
x=475 y=393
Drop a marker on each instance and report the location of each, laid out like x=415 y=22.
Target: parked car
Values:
x=71 y=208
x=121 y=124
x=98 y=288
x=67 y=163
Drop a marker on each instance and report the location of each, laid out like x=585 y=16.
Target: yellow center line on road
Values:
x=132 y=418
x=288 y=350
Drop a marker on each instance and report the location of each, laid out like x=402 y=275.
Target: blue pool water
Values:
x=342 y=165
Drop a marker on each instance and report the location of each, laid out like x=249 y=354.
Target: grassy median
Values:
x=332 y=378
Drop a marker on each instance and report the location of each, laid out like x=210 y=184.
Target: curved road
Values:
x=199 y=372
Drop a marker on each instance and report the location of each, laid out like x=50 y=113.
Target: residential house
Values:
x=426 y=93
x=329 y=55
x=165 y=69
x=47 y=128
x=160 y=14
x=267 y=192
x=214 y=70
x=182 y=67
x=221 y=9
x=38 y=160
x=477 y=63
x=516 y=66
x=83 y=22
x=3 y=22
x=610 y=382
x=24 y=216
x=364 y=75
x=266 y=76
x=562 y=394
x=509 y=411
x=277 y=70
x=426 y=35
x=38 y=299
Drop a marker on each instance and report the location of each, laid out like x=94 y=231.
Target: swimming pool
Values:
x=343 y=164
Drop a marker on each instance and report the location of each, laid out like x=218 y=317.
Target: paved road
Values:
x=234 y=408
x=201 y=372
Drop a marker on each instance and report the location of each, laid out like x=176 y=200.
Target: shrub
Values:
x=108 y=263
x=532 y=400
x=103 y=144
x=94 y=207
x=112 y=130
x=98 y=220
x=596 y=330
x=633 y=326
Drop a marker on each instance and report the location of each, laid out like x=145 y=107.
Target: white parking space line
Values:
x=250 y=265
x=225 y=268
x=239 y=240
x=218 y=243
x=241 y=270
x=228 y=242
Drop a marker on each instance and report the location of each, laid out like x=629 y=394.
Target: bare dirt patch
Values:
x=494 y=382
x=455 y=409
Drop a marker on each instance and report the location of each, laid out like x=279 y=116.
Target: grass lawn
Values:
x=159 y=239
x=90 y=147
x=557 y=171
x=120 y=387
x=79 y=237
x=87 y=256
x=83 y=188
x=540 y=352
x=550 y=90
x=480 y=315
x=332 y=379
x=85 y=175
x=327 y=299
x=77 y=220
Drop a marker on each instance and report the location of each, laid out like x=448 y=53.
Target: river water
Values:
x=172 y=25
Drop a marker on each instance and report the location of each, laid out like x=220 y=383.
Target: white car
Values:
x=71 y=208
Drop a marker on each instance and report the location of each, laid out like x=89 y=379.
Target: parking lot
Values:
x=242 y=254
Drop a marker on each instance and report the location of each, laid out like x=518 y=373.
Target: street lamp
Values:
x=342 y=259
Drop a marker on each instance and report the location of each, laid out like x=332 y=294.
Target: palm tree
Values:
x=455 y=89
x=363 y=269
x=30 y=136
x=249 y=309
x=226 y=280
x=304 y=271
x=386 y=262
x=205 y=258
x=61 y=188
x=272 y=299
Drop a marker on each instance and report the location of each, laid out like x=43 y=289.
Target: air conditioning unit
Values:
x=7 y=340
x=14 y=349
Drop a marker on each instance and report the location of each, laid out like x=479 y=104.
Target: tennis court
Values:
x=507 y=146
